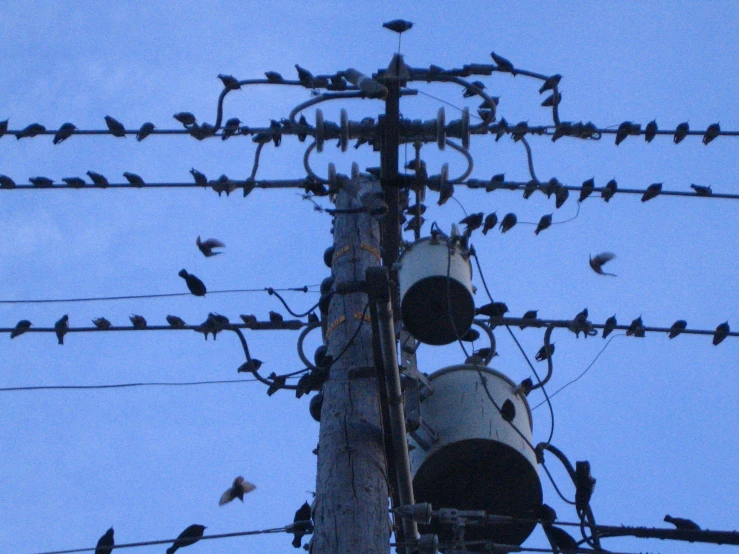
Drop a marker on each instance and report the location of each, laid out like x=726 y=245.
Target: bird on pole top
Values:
x=398 y=25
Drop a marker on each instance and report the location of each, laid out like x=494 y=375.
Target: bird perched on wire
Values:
x=493 y=309
x=275 y=317
x=584 y=486
x=21 y=327
x=231 y=128
x=682 y=523
x=471 y=223
x=587 y=189
x=6 y=182
x=701 y=190
x=105 y=543
x=31 y=130
x=509 y=220
x=681 y=131
x=712 y=132
x=301 y=524
x=502 y=63
x=116 y=127
x=237 y=490
x=207 y=246
x=398 y=25
x=650 y=131
x=636 y=328
x=544 y=223
x=61 y=328
x=652 y=191
x=189 y=536
x=531 y=314
x=544 y=353
x=599 y=260
x=490 y=221
x=98 y=180
x=186 y=118
x=273 y=77
x=41 y=182
x=249 y=319
x=64 y=132
x=560 y=539
x=468 y=91
x=195 y=285
x=101 y=323
x=133 y=179
x=609 y=326
x=677 y=328
x=175 y=321
x=200 y=178
x=138 y=321
x=229 y=81
x=446 y=191
x=609 y=190
x=144 y=131
x=722 y=331
x=550 y=83
x=250 y=365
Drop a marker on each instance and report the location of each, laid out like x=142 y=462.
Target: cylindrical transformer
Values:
x=435 y=278
x=481 y=461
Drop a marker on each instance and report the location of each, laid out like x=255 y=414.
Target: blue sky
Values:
x=656 y=418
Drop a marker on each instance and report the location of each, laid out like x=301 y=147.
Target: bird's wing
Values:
x=248 y=487
x=226 y=497
x=604 y=257
x=213 y=243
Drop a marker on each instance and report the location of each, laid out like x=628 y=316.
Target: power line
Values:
x=125 y=385
x=291 y=325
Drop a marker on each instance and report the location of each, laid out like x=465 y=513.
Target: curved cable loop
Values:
x=547 y=346
x=317 y=100
x=491 y=338
x=255 y=372
x=301 y=352
x=272 y=291
x=466 y=154
x=306 y=164
x=529 y=158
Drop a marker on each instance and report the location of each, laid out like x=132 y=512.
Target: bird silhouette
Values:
x=682 y=523
x=485 y=353
x=677 y=328
x=600 y=260
x=98 y=180
x=105 y=543
x=553 y=99
x=472 y=222
x=550 y=83
x=446 y=191
x=398 y=25
x=508 y=222
x=195 y=285
x=529 y=189
x=61 y=328
x=587 y=189
x=276 y=134
x=609 y=326
x=508 y=410
x=490 y=221
x=41 y=182
x=502 y=63
x=609 y=190
x=237 y=490
x=531 y=314
x=493 y=309
x=275 y=317
x=701 y=190
x=186 y=118
x=74 y=182
x=64 y=132
x=101 y=323
x=200 y=179
x=544 y=223
x=712 y=132
x=468 y=90
x=561 y=539
x=544 y=353
x=231 y=128
x=546 y=514
x=681 y=131
x=21 y=327
x=144 y=131
x=470 y=336
x=501 y=129
x=722 y=331
x=303 y=514
x=6 y=182
x=32 y=130
x=229 y=81
x=207 y=246
x=249 y=319
x=175 y=321
x=584 y=486
x=305 y=77
x=133 y=179
x=650 y=131
x=415 y=223
x=636 y=328
x=189 y=536
x=250 y=365
x=3 y=127
x=116 y=127
x=623 y=132
x=416 y=209
x=652 y=191
x=138 y=321
x=273 y=77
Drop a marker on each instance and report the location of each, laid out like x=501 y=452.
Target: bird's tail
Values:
x=609 y=274
x=61 y=339
x=172 y=549
x=297 y=541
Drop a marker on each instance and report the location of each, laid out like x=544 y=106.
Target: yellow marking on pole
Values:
x=340 y=253
x=335 y=324
x=371 y=249
x=359 y=316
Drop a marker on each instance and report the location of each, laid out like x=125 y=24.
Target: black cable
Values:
x=354 y=336
x=124 y=385
x=272 y=291
x=529 y=158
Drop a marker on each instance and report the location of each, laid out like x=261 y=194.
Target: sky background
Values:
x=656 y=418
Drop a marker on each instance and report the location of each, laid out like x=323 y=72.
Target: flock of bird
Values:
x=301 y=526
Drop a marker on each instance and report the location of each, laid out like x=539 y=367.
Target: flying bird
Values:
x=472 y=222
x=609 y=190
x=231 y=128
x=550 y=83
x=98 y=180
x=493 y=309
x=74 y=182
x=303 y=514
x=134 y=180
x=490 y=221
x=6 y=182
x=41 y=182
x=186 y=118
x=145 y=130
x=502 y=63
x=105 y=543
x=722 y=331
x=652 y=191
x=175 y=321
x=61 y=328
x=544 y=353
x=531 y=314
x=116 y=127
x=398 y=25
x=544 y=223
x=701 y=190
x=508 y=222
x=677 y=328
x=650 y=131
x=681 y=132
x=609 y=326
x=599 y=260
x=636 y=328
x=138 y=321
x=229 y=81
x=101 y=323
x=207 y=246
x=195 y=285
x=189 y=536
x=682 y=523
x=200 y=179
x=31 y=130
x=712 y=132
x=21 y=327
x=64 y=132
x=237 y=490
x=587 y=189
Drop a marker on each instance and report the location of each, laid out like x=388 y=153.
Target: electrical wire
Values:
x=124 y=385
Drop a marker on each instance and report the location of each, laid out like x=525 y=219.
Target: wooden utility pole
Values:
x=351 y=510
